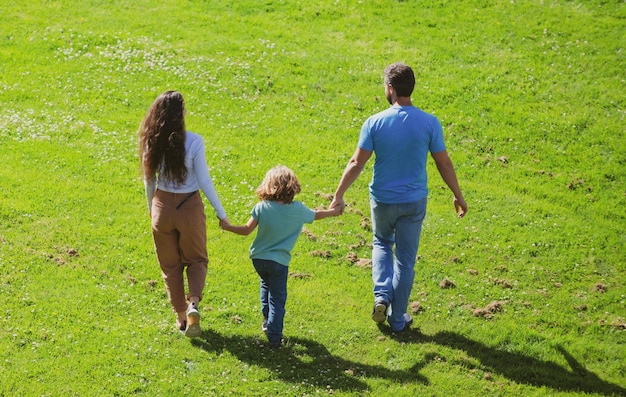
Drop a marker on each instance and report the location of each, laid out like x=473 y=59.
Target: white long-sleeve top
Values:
x=198 y=177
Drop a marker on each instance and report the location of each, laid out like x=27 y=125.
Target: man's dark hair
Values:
x=401 y=78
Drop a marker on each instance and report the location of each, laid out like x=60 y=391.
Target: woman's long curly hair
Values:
x=279 y=184
x=162 y=138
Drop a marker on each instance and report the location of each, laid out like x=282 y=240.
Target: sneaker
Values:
x=193 y=322
x=183 y=327
x=264 y=325
x=379 y=313
x=408 y=320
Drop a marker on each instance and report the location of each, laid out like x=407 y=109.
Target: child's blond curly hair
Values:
x=279 y=184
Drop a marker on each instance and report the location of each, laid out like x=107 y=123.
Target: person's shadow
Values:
x=521 y=368
x=304 y=360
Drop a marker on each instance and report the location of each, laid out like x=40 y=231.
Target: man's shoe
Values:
x=379 y=313
x=408 y=320
x=264 y=325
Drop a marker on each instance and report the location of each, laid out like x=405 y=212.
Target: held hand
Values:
x=338 y=203
x=224 y=223
x=337 y=210
x=460 y=206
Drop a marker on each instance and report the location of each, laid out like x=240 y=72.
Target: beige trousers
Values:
x=179 y=232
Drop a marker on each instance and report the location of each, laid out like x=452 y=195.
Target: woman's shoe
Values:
x=193 y=329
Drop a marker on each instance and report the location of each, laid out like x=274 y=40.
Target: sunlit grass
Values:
x=525 y=296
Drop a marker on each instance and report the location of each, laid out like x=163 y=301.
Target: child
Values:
x=280 y=221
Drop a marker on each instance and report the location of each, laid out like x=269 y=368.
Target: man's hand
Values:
x=460 y=206
x=338 y=203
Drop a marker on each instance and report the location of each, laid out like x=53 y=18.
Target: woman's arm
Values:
x=150 y=185
x=204 y=179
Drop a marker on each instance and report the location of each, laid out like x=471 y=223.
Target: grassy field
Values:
x=524 y=296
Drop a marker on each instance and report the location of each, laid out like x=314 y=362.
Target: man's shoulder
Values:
x=394 y=111
x=391 y=110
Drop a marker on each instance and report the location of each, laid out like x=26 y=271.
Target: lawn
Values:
x=524 y=296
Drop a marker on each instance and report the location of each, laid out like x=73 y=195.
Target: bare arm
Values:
x=446 y=170
x=243 y=230
x=321 y=214
x=350 y=174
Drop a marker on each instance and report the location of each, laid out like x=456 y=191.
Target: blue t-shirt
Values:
x=279 y=226
x=401 y=138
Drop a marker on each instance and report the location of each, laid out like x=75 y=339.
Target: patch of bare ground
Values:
x=502 y=282
x=360 y=262
x=62 y=257
x=321 y=253
x=325 y=196
x=416 y=307
x=447 y=283
x=619 y=324
x=309 y=234
x=355 y=210
x=489 y=310
x=361 y=243
x=364 y=262
x=599 y=287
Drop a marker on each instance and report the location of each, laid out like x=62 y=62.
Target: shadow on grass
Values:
x=306 y=361
x=518 y=367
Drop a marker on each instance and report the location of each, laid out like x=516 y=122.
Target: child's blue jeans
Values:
x=273 y=296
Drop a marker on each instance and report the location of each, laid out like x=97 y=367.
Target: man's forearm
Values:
x=350 y=174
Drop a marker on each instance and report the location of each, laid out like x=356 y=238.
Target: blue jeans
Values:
x=393 y=273
x=273 y=296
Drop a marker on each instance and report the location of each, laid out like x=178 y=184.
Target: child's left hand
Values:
x=338 y=210
x=224 y=223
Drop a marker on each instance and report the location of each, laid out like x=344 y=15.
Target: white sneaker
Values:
x=379 y=313
x=193 y=322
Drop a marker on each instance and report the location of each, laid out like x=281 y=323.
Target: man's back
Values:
x=401 y=138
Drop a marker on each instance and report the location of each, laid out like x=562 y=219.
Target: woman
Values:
x=175 y=168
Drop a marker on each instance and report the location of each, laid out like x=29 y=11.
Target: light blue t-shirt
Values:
x=401 y=138
x=279 y=226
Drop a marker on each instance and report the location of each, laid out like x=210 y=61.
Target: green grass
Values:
x=530 y=94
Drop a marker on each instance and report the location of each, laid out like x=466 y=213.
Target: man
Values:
x=401 y=136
